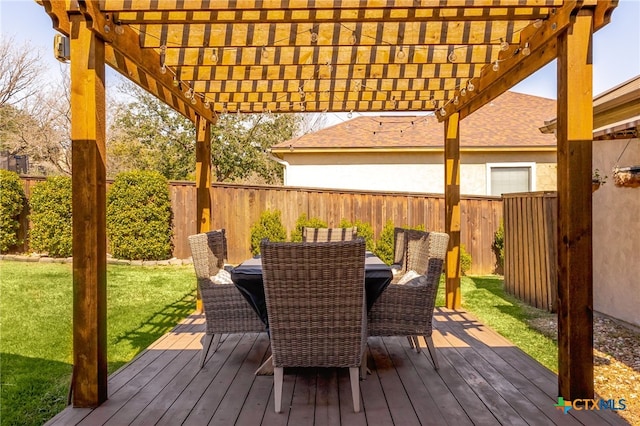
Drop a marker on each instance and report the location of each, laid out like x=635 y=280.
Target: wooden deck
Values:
x=483 y=380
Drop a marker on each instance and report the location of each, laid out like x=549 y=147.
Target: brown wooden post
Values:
x=575 y=258
x=203 y=182
x=89 y=383
x=203 y=173
x=452 y=209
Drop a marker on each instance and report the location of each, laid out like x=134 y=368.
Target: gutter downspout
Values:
x=280 y=161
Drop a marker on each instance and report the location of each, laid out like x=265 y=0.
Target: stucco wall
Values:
x=616 y=235
x=413 y=172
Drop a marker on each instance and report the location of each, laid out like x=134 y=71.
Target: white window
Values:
x=503 y=178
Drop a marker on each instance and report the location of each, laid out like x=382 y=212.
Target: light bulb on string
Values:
x=350 y=114
x=176 y=83
x=119 y=29
x=463 y=91
x=302 y=108
x=470 y=86
x=214 y=56
x=189 y=93
x=526 y=50
x=207 y=105
x=496 y=66
x=443 y=111
x=537 y=23
x=163 y=69
x=456 y=101
x=265 y=52
x=401 y=55
x=452 y=56
x=314 y=37
x=193 y=100
x=354 y=39
x=504 y=45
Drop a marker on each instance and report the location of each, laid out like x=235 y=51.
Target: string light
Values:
x=443 y=111
x=350 y=114
x=119 y=29
x=358 y=85
x=207 y=104
x=470 y=86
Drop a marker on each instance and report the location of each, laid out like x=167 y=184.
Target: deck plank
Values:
x=483 y=379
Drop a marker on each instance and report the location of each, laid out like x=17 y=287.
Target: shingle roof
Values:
x=511 y=120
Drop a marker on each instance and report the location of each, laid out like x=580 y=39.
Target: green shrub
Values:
x=139 y=216
x=51 y=231
x=302 y=222
x=384 y=244
x=498 y=247
x=269 y=226
x=12 y=202
x=465 y=260
x=364 y=230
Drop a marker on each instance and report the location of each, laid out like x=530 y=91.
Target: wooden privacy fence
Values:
x=530 y=258
x=237 y=207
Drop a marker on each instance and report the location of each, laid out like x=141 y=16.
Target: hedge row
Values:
x=270 y=226
x=138 y=215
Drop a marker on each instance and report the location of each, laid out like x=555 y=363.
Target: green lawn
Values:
x=143 y=304
x=36 y=320
x=485 y=298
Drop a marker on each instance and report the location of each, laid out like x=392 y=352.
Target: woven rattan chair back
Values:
x=321 y=235
x=407 y=310
x=225 y=310
x=316 y=306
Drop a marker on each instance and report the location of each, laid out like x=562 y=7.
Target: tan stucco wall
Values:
x=616 y=235
x=413 y=172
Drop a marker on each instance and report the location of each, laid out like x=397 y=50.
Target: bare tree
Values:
x=20 y=68
x=34 y=116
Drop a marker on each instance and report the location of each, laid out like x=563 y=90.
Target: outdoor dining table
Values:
x=248 y=279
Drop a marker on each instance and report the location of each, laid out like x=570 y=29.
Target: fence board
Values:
x=530 y=248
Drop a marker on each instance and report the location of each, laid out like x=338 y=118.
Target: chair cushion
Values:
x=222 y=277
x=412 y=279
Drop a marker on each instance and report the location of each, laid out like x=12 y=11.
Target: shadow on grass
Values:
x=32 y=390
x=155 y=326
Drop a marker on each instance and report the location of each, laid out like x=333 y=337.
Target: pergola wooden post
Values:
x=575 y=258
x=203 y=173
x=203 y=182
x=452 y=209
x=89 y=382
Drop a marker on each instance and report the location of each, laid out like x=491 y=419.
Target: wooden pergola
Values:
x=208 y=57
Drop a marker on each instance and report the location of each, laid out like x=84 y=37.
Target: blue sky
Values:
x=616 y=47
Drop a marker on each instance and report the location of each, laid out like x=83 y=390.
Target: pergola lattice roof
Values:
x=207 y=57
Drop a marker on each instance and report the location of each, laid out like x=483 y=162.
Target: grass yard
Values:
x=36 y=328
x=484 y=297
x=143 y=304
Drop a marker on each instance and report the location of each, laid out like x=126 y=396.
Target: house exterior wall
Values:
x=411 y=172
x=616 y=234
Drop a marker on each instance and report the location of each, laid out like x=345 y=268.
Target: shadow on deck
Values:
x=483 y=379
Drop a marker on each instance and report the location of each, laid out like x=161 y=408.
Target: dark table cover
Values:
x=248 y=279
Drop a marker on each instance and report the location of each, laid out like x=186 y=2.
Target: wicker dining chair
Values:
x=406 y=309
x=316 y=305
x=328 y=234
x=225 y=310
